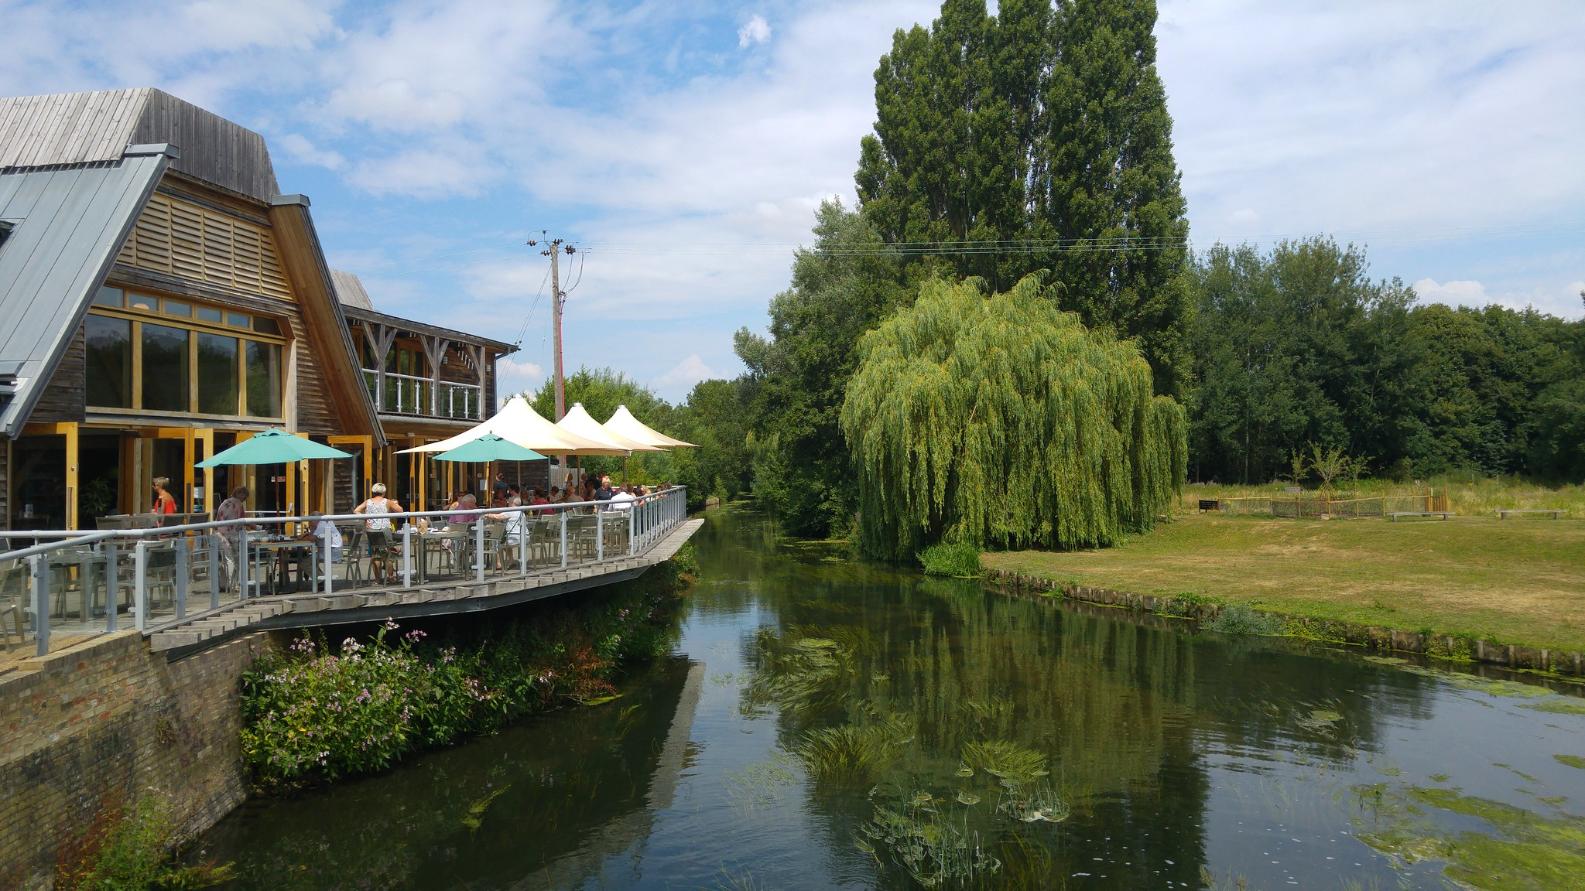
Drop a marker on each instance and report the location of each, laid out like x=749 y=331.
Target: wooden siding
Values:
x=333 y=372
x=196 y=242
x=315 y=413
x=97 y=127
x=63 y=398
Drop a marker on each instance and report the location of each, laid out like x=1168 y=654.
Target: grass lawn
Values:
x=1514 y=581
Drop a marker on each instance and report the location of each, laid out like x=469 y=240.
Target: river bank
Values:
x=1502 y=590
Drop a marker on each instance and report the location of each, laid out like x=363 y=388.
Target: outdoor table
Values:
x=282 y=550
x=432 y=542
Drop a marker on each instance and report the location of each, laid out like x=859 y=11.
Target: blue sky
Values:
x=684 y=146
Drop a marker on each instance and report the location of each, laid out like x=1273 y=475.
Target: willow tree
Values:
x=1003 y=421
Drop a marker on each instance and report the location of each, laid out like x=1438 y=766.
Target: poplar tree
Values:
x=1042 y=134
x=1005 y=422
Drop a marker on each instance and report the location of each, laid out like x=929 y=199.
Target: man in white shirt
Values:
x=622 y=499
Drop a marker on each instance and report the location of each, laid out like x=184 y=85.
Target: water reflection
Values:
x=829 y=723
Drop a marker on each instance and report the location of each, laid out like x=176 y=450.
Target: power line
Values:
x=531 y=307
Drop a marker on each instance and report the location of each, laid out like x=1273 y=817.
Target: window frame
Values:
x=241 y=332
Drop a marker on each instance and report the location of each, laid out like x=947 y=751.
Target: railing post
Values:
x=244 y=562
x=523 y=516
x=407 y=555
x=214 y=568
x=140 y=564
x=599 y=538
x=39 y=569
x=564 y=537
x=112 y=586
x=329 y=554
x=179 y=566
x=632 y=545
x=478 y=548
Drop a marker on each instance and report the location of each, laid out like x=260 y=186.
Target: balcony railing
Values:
x=408 y=394
x=75 y=585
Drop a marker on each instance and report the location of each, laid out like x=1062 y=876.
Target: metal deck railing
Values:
x=88 y=583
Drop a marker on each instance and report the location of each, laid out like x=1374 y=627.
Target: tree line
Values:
x=1034 y=145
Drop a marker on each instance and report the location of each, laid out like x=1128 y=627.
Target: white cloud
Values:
x=516 y=376
x=300 y=148
x=424 y=173
x=755 y=30
x=685 y=374
x=1455 y=293
x=1387 y=123
x=1562 y=300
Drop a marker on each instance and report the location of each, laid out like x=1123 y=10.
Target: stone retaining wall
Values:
x=1372 y=637
x=104 y=723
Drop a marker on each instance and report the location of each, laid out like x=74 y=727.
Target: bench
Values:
x=1418 y=513
x=1555 y=513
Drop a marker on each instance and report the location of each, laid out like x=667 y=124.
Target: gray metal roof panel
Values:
x=69 y=224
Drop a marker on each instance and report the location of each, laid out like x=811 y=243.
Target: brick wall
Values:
x=106 y=722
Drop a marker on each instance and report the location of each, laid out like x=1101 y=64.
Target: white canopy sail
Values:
x=624 y=425
x=518 y=423
x=578 y=421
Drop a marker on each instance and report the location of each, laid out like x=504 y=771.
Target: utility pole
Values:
x=553 y=249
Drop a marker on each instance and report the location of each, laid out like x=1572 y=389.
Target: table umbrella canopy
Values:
x=489 y=447
x=273 y=446
x=581 y=423
x=518 y=423
x=626 y=426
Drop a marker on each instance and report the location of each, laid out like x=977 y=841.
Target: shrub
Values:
x=959 y=559
x=320 y=712
x=1239 y=619
x=130 y=849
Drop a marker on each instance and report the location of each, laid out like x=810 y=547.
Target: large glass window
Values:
x=264 y=380
x=162 y=354
x=109 y=356
x=164 y=368
x=217 y=374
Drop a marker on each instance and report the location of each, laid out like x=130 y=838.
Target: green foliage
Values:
x=928 y=844
x=958 y=559
x=319 y=713
x=1047 y=124
x=1236 y=618
x=1002 y=421
x=1298 y=346
x=841 y=287
x=132 y=849
x=1292 y=347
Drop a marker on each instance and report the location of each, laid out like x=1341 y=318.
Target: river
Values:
x=826 y=723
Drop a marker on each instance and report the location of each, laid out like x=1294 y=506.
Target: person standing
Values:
x=164 y=503
x=233 y=508
x=378 y=526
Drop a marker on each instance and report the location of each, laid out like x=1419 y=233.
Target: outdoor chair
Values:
x=353 y=553
x=13 y=599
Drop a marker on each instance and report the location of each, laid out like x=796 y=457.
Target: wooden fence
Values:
x=1312 y=505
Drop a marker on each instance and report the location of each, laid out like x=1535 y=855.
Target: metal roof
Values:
x=95 y=127
x=350 y=290
x=67 y=225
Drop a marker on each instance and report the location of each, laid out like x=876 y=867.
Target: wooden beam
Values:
x=435 y=351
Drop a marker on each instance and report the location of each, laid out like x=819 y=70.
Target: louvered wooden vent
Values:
x=197 y=243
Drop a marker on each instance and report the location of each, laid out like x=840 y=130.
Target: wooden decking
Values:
x=373 y=604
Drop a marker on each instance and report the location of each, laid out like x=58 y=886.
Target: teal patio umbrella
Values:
x=489 y=447
x=273 y=446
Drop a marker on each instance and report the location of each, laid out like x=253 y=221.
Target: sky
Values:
x=684 y=146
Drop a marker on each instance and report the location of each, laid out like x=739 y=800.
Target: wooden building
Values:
x=427 y=383
x=161 y=300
